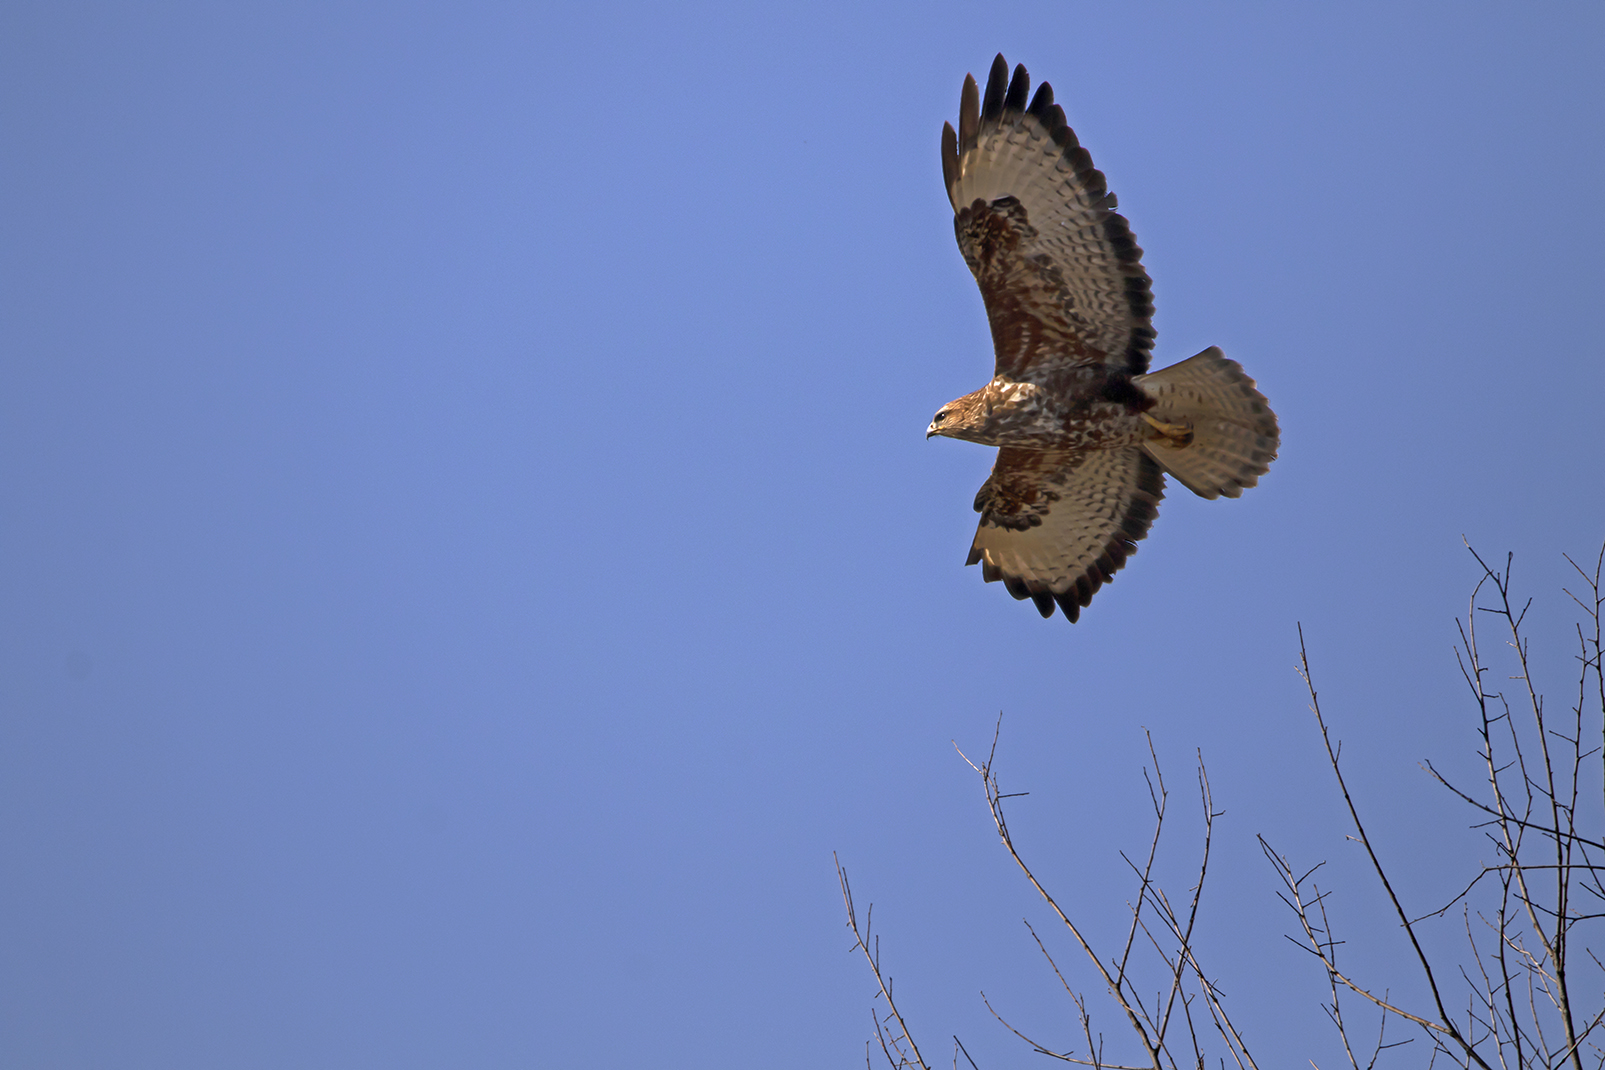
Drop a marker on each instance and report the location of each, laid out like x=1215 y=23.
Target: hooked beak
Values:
x=929 y=431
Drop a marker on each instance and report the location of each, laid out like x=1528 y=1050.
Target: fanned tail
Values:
x=1235 y=435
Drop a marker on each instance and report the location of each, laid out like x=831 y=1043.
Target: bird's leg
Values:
x=1174 y=435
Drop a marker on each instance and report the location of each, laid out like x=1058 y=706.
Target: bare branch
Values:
x=1117 y=989
x=892 y=1045
x=1443 y=1023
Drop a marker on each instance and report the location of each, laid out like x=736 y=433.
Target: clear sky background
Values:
x=470 y=552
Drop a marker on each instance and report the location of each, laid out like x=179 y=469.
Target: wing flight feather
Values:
x=1056 y=525
x=1058 y=268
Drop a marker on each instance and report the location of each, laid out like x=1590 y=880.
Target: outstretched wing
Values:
x=1056 y=526
x=1058 y=268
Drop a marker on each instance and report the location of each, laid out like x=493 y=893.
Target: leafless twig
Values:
x=896 y=1044
x=1522 y=1006
x=1157 y=923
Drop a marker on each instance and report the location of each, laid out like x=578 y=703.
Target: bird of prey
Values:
x=1085 y=437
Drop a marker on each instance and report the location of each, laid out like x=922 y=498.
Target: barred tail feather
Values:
x=1235 y=435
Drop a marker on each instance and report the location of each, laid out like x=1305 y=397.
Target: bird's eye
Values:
x=939 y=417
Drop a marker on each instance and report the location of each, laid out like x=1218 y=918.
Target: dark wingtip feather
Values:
x=1044 y=603
x=1042 y=102
x=969 y=113
x=997 y=83
x=1091 y=178
x=950 y=158
x=1063 y=136
x=1019 y=88
x=1068 y=605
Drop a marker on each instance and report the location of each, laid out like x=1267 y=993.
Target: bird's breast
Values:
x=1073 y=415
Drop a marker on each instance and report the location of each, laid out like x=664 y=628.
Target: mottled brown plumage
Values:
x=1085 y=435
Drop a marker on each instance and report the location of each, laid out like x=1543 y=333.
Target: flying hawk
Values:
x=1085 y=436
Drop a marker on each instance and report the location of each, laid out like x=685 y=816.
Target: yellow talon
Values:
x=1174 y=435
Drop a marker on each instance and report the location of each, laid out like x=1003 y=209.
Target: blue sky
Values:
x=471 y=553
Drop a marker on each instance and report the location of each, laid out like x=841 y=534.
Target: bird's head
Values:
x=964 y=418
